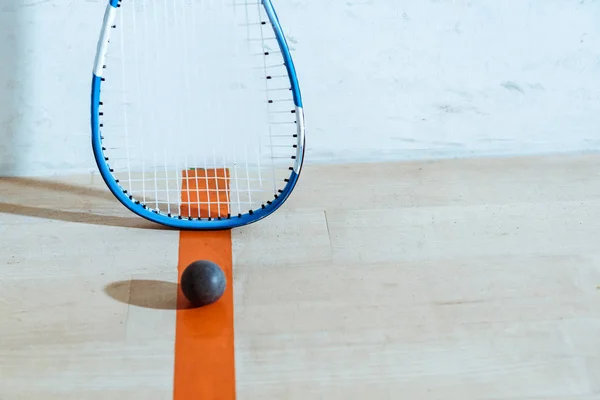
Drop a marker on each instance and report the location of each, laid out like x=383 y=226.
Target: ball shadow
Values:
x=158 y=295
x=201 y=323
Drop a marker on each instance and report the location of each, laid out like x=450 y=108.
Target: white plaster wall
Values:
x=382 y=79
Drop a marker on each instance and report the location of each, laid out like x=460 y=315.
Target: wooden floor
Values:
x=453 y=279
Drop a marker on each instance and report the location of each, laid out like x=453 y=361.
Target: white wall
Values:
x=382 y=79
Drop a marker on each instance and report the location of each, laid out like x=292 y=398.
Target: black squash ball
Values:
x=203 y=283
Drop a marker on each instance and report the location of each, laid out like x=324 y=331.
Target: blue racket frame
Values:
x=180 y=222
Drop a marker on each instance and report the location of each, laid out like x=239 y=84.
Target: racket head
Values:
x=191 y=212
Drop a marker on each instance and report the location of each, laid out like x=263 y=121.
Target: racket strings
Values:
x=178 y=100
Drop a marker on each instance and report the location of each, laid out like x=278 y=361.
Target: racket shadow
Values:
x=52 y=200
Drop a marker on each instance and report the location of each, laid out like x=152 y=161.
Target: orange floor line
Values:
x=204 y=338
